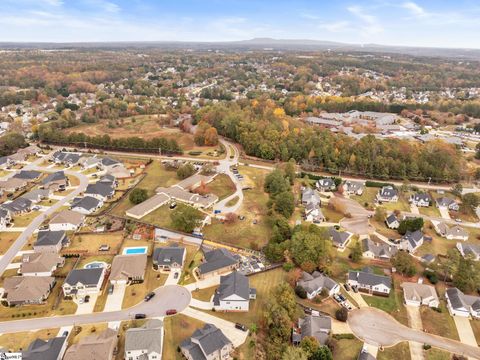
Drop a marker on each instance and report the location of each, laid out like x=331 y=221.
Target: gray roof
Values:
x=148 y=337
x=66 y=157
x=168 y=255
x=47 y=237
x=310 y=196
x=421 y=197
x=37 y=194
x=56 y=176
x=3 y=213
x=19 y=204
x=316 y=326
x=391 y=219
x=84 y=276
x=88 y=203
x=208 y=340
x=445 y=201
x=380 y=250
x=339 y=237
x=44 y=350
x=232 y=284
x=316 y=281
x=27 y=174
x=414 y=238
x=367 y=277
x=108 y=178
x=109 y=161
x=354 y=185
x=100 y=188
x=326 y=183
x=388 y=192
x=459 y=300
x=217 y=259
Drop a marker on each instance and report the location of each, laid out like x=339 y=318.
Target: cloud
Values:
x=415 y=9
x=337 y=26
x=370 y=25
x=53 y=2
x=103 y=5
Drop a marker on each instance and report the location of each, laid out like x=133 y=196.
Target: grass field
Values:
x=402 y=204
x=204 y=294
x=346 y=349
x=244 y=232
x=79 y=332
x=92 y=242
x=367 y=199
x=429 y=211
x=397 y=352
x=21 y=340
x=233 y=201
x=177 y=328
x=436 y=354
x=475 y=324
x=6 y=240
x=25 y=219
x=332 y=215
x=441 y=324
x=192 y=260
x=222 y=186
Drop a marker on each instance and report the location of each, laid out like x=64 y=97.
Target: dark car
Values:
x=87 y=298
x=347 y=287
x=355 y=289
x=175 y=276
x=140 y=316
x=149 y=296
x=173 y=205
x=240 y=327
x=171 y=312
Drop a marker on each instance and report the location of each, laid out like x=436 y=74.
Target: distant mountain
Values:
x=262 y=44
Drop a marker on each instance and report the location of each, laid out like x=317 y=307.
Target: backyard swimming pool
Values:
x=135 y=250
x=95 y=265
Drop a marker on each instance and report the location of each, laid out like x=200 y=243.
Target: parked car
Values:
x=347 y=287
x=149 y=296
x=87 y=298
x=337 y=298
x=240 y=327
x=355 y=289
x=171 y=312
x=110 y=289
x=104 y=247
x=140 y=316
x=342 y=298
x=173 y=205
x=65 y=333
x=458 y=220
x=175 y=276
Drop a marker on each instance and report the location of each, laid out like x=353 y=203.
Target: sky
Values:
x=432 y=23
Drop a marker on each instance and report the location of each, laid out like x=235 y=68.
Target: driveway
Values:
x=35 y=224
x=357 y=225
x=444 y=212
x=171 y=280
x=206 y=283
x=358 y=299
x=236 y=336
x=204 y=305
x=378 y=328
x=415 y=322
x=465 y=331
x=115 y=299
x=414 y=209
x=167 y=297
x=86 y=307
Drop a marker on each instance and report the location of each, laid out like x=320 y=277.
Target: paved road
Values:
x=167 y=297
x=380 y=329
x=35 y=224
x=224 y=167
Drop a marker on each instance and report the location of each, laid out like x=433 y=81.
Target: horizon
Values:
x=425 y=23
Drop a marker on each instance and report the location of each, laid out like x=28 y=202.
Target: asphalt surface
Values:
x=166 y=298
x=378 y=328
x=35 y=224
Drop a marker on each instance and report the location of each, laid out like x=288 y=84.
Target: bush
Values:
x=341 y=314
x=288 y=266
x=376 y=184
x=343 y=336
x=431 y=276
x=426 y=347
x=138 y=196
x=301 y=292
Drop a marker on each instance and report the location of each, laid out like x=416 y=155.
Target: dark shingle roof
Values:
x=209 y=339
x=84 y=276
x=217 y=259
x=56 y=176
x=367 y=277
x=19 y=204
x=339 y=237
x=44 y=350
x=87 y=203
x=168 y=255
x=232 y=284
x=47 y=237
x=27 y=175
x=99 y=188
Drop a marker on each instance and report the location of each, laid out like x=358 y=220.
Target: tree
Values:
x=185 y=171
x=309 y=345
x=380 y=214
x=301 y=292
x=467 y=277
x=275 y=183
x=138 y=196
x=290 y=171
x=294 y=353
x=357 y=253
x=310 y=246
x=211 y=137
x=284 y=204
x=470 y=202
x=410 y=225
x=341 y=314
x=404 y=264
x=457 y=189
x=323 y=353
x=185 y=218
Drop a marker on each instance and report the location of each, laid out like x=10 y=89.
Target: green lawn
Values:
x=441 y=324
x=393 y=304
x=25 y=219
x=222 y=186
x=475 y=324
x=204 y=294
x=346 y=349
x=397 y=352
x=367 y=198
x=7 y=239
x=436 y=354
x=21 y=340
x=192 y=260
x=430 y=211
x=232 y=201
x=332 y=215
x=402 y=204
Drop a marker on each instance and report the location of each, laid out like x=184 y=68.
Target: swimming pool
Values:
x=135 y=250
x=95 y=265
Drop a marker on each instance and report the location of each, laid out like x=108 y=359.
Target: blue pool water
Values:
x=135 y=250
x=95 y=265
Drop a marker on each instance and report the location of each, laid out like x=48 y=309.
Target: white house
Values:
x=234 y=293
x=66 y=220
x=146 y=342
x=421 y=199
x=387 y=194
x=316 y=282
x=459 y=304
x=366 y=281
x=416 y=294
x=82 y=282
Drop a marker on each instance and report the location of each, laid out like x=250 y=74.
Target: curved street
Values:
x=166 y=297
x=378 y=328
x=35 y=224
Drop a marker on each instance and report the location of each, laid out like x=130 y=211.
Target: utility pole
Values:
x=429 y=179
x=159 y=152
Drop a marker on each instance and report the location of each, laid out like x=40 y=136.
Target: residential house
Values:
x=387 y=194
x=366 y=281
x=469 y=250
x=128 y=269
x=27 y=290
x=28 y=175
x=50 y=241
x=66 y=220
x=147 y=206
x=326 y=184
x=109 y=179
x=6 y=162
x=412 y=240
x=146 y=342
x=168 y=258
x=194 y=181
x=100 y=191
x=35 y=196
x=5 y=219
x=217 y=262
x=234 y=293
x=318 y=327
x=56 y=181
x=18 y=206
x=40 y=264
x=98 y=346
x=316 y=282
x=90 y=162
x=340 y=239
x=459 y=304
x=66 y=158
x=353 y=187
x=207 y=343
x=81 y=282
x=28 y=151
x=51 y=349
x=13 y=184
x=313 y=213
x=377 y=250
x=421 y=199
x=455 y=232
x=310 y=196
x=86 y=205
x=195 y=200
x=448 y=203
x=417 y=294
x=392 y=221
